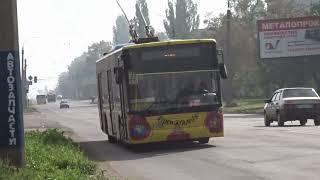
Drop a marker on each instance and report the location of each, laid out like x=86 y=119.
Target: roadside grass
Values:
x=50 y=155
x=246 y=106
x=30 y=108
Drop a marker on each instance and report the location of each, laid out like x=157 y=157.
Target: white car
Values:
x=64 y=104
x=291 y=104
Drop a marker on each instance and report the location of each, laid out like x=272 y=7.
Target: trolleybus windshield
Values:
x=167 y=90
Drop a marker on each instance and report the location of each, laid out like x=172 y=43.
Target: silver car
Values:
x=291 y=104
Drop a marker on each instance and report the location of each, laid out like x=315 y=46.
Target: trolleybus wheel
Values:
x=317 y=121
x=204 y=140
x=303 y=122
x=266 y=120
x=112 y=139
x=280 y=120
x=130 y=147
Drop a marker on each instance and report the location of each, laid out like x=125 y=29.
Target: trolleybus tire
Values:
x=130 y=147
x=112 y=139
x=203 y=141
x=317 y=121
x=280 y=120
x=303 y=122
x=267 y=121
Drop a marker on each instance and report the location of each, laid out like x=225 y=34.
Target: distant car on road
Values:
x=59 y=97
x=64 y=104
x=51 y=97
x=291 y=104
x=41 y=99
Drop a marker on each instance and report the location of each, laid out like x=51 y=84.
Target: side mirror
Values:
x=219 y=52
x=119 y=74
x=223 y=70
x=267 y=101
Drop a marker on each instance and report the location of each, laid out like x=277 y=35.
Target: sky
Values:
x=54 y=32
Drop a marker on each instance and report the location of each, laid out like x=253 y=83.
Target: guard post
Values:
x=11 y=108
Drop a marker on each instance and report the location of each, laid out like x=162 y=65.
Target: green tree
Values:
x=242 y=61
x=121 y=31
x=313 y=61
x=315 y=9
x=139 y=23
x=79 y=81
x=64 y=85
x=285 y=9
x=250 y=75
x=182 y=20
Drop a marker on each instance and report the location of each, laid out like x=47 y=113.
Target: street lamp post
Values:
x=24 y=79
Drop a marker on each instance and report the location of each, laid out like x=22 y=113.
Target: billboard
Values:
x=293 y=37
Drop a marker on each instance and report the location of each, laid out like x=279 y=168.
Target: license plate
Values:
x=304 y=106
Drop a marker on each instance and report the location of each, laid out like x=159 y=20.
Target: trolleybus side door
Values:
x=122 y=113
x=100 y=103
x=111 y=102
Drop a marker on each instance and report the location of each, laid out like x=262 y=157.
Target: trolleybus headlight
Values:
x=214 y=122
x=139 y=128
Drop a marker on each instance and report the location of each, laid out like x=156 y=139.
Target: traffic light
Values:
x=35 y=79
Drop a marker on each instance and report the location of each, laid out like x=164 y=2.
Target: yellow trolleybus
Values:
x=161 y=91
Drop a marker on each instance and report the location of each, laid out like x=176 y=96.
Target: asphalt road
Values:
x=249 y=151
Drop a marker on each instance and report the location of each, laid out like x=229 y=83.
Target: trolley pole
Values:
x=11 y=121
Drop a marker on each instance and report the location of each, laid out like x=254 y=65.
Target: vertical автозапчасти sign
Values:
x=9 y=104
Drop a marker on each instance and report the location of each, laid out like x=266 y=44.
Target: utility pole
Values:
x=228 y=96
x=26 y=83
x=11 y=121
x=24 y=77
x=23 y=83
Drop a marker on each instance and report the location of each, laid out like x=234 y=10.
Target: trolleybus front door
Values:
x=111 y=102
